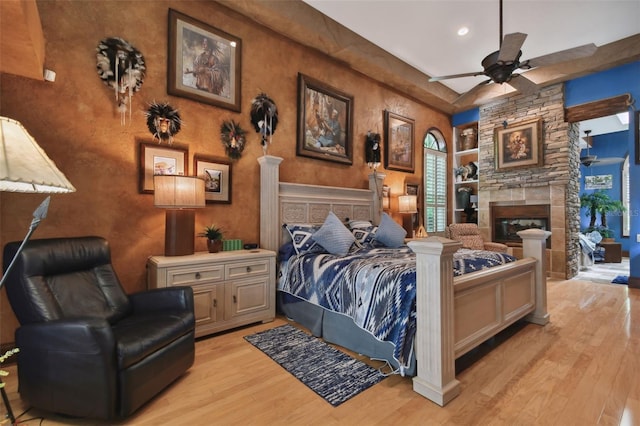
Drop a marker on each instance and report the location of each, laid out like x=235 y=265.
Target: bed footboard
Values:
x=455 y=315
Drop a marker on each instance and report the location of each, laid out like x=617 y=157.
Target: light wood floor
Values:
x=581 y=369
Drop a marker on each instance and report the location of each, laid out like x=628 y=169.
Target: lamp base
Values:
x=179 y=232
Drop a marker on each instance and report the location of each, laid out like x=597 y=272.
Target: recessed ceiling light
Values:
x=463 y=31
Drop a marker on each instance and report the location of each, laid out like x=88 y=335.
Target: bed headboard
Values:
x=283 y=202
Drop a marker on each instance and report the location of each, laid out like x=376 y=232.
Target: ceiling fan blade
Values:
x=510 y=47
x=523 y=84
x=608 y=161
x=588 y=160
x=467 y=74
x=471 y=92
x=562 y=56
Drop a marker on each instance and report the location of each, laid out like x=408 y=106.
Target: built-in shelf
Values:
x=465 y=156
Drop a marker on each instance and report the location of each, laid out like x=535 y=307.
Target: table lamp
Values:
x=180 y=195
x=408 y=206
x=25 y=167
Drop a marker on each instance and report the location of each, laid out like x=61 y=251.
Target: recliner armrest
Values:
x=179 y=298
x=499 y=247
x=78 y=335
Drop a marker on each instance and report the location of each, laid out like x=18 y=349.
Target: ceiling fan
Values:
x=592 y=160
x=500 y=66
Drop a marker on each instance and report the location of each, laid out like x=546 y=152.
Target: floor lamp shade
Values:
x=180 y=195
x=24 y=166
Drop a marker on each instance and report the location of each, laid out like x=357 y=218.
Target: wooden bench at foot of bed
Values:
x=454 y=315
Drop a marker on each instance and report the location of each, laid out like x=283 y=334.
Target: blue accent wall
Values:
x=465 y=117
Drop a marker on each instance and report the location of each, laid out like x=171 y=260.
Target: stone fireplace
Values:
x=554 y=185
x=509 y=219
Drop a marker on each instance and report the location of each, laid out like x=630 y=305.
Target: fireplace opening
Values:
x=507 y=221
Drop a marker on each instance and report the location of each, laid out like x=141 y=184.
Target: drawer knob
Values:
x=248 y=269
x=215 y=303
x=235 y=300
x=198 y=275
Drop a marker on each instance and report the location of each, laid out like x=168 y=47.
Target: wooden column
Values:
x=269 y=197
x=534 y=245
x=435 y=355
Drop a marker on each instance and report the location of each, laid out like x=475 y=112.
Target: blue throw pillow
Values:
x=334 y=236
x=389 y=232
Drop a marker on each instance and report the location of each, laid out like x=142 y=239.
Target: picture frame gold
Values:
x=399 y=136
x=519 y=145
x=324 y=122
x=217 y=175
x=204 y=63
x=160 y=160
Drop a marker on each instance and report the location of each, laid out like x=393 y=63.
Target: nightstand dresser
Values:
x=230 y=288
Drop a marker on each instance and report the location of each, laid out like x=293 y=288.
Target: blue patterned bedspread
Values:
x=376 y=287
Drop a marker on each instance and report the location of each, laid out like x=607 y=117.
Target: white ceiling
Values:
x=423 y=33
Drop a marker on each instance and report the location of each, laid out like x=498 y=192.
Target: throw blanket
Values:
x=376 y=287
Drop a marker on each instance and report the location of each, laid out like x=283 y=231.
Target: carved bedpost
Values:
x=269 y=192
x=435 y=355
x=376 y=180
x=534 y=245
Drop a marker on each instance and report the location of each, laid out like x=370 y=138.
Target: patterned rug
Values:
x=330 y=373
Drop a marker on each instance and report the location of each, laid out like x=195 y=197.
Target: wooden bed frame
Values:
x=454 y=315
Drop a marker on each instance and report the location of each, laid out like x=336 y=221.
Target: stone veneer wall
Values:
x=555 y=183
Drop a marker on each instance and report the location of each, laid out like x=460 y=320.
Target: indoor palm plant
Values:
x=214 y=237
x=599 y=203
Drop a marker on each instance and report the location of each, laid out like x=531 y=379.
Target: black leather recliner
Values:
x=87 y=349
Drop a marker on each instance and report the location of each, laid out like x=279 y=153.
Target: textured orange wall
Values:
x=76 y=123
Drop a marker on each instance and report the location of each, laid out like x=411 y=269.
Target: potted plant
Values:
x=599 y=203
x=214 y=237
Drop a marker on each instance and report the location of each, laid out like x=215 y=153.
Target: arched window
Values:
x=626 y=198
x=435 y=181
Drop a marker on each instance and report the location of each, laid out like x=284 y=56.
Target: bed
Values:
x=452 y=315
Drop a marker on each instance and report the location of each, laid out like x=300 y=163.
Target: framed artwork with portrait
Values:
x=216 y=173
x=519 y=145
x=324 y=122
x=399 y=139
x=204 y=63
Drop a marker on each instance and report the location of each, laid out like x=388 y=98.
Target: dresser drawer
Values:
x=195 y=275
x=247 y=269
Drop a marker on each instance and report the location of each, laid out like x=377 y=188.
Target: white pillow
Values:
x=389 y=232
x=334 y=236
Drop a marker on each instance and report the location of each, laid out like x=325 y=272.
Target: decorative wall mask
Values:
x=264 y=117
x=120 y=66
x=163 y=122
x=372 y=150
x=233 y=138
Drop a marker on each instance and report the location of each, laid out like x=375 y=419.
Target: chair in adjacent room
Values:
x=87 y=349
x=469 y=235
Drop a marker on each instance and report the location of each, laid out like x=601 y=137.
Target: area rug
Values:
x=330 y=373
x=620 y=279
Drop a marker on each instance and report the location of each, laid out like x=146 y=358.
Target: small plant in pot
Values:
x=214 y=237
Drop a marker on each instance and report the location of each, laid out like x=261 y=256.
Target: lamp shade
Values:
x=24 y=166
x=408 y=204
x=178 y=192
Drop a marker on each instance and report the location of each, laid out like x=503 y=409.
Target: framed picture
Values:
x=324 y=122
x=216 y=173
x=598 y=182
x=160 y=160
x=398 y=135
x=519 y=145
x=204 y=63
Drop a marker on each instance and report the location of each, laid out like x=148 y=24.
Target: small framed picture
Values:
x=398 y=135
x=204 y=63
x=160 y=160
x=216 y=173
x=519 y=145
x=324 y=122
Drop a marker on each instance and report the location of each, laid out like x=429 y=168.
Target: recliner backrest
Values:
x=61 y=278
